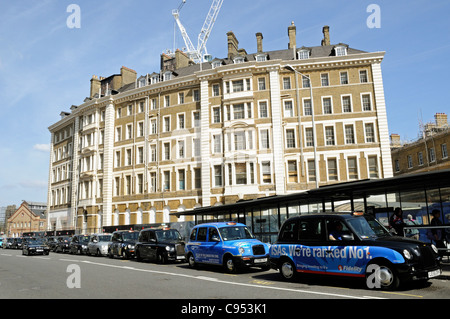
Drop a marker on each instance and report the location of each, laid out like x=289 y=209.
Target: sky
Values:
x=46 y=63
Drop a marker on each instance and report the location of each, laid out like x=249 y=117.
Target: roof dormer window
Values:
x=340 y=50
x=261 y=57
x=239 y=59
x=216 y=64
x=168 y=75
x=303 y=54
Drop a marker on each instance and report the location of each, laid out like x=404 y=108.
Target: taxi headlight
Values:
x=434 y=248
x=407 y=254
x=241 y=250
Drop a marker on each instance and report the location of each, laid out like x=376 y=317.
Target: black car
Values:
x=7 y=243
x=79 y=244
x=123 y=243
x=63 y=245
x=52 y=242
x=160 y=244
x=351 y=245
x=35 y=246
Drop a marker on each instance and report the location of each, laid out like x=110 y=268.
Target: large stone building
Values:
x=428 y=153
x=29 y=217
x=233 y=128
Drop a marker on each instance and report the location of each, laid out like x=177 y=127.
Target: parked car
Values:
x=63 y=245
x=160 y=244
x=52 y=242
x=35 y=246
x=7 y=243
x=351 y=245
x=229 y=244
x=98 y=244
x=79 y=244
x=123 y=243
x=17 y=243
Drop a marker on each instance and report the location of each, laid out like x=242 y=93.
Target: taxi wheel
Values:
x=385 y=277
x=287 y=269
x=191 y=261
x=230 y=265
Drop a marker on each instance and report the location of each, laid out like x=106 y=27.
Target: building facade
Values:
x=428 y=153
x=237 y=128
x=29 y=217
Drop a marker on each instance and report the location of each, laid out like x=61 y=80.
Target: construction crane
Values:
x=197 y=54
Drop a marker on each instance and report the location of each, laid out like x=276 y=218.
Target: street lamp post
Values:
x=291 y=68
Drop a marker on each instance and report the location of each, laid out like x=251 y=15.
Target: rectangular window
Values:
x=265 y=142
x=266 y=173
x=363 y=76
x=238 y=86
x=218 y=175
x=290 y=138
x=410 y=162
x=367 y=105
x=444 y=150
x=326 y=104
x=216 y=90
x=181 y=179
x=196 y=119
x=370 y=134
x=180 y=121
x=217 y=143
x=307 y=109
x=263 y=109
x=180 y=149
x=349 y=134
x=420 y=158
x=346 y=104
x=239 y=141
x=127 y=185
x=216 y=114
x=332 y=169
x=288 y=109
x=238 y=111
x=344 y=77
x=286 y=83
x=292 y=172
x=373 y=167
x=140 y=157
x=140 y=184
x=166 y=180
x=324 y=79
x=261 y=84
x=309 y=135
x=311 y=171
x=329 y=135
x=167 y=124
x=432 y=155
x=197 y=178
x=352 y=168
x=166 y=151
x=153 y=181
x=241 y=173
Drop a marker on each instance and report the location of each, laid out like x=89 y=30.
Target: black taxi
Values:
x=123 y=243
x=160 y=244
x=352 y=245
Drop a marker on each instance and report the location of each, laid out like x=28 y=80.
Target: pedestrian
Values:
x=412 y=232
x=396 y=221
x=435 y=234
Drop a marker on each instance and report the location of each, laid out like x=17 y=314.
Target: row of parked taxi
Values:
x=340 y=244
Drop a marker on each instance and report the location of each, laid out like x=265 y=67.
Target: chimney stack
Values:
x=259 y=45
x=326 y=35
x=395 y=141
x=95 y=85
x=441 y=120
x=233 y=45
x=292 y=33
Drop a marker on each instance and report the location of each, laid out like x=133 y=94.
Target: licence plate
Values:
x=39 y=250
x=434 y=273
x=260 y=260
x=180 y=257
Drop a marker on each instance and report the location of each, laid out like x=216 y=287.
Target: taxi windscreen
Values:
x=235 y=233
x=367 y=227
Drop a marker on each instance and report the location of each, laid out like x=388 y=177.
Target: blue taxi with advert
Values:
x=229 y=244
x=352 y=245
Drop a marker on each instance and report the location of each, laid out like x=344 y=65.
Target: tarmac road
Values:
x=64 y=276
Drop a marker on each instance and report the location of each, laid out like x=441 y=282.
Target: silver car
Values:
x=98 y=245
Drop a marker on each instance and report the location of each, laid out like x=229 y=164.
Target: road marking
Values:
x=70 y=260
x=401 y=294
x=6 y=255
x=216 y=280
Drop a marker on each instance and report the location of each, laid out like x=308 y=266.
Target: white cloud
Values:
x=42 y=147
